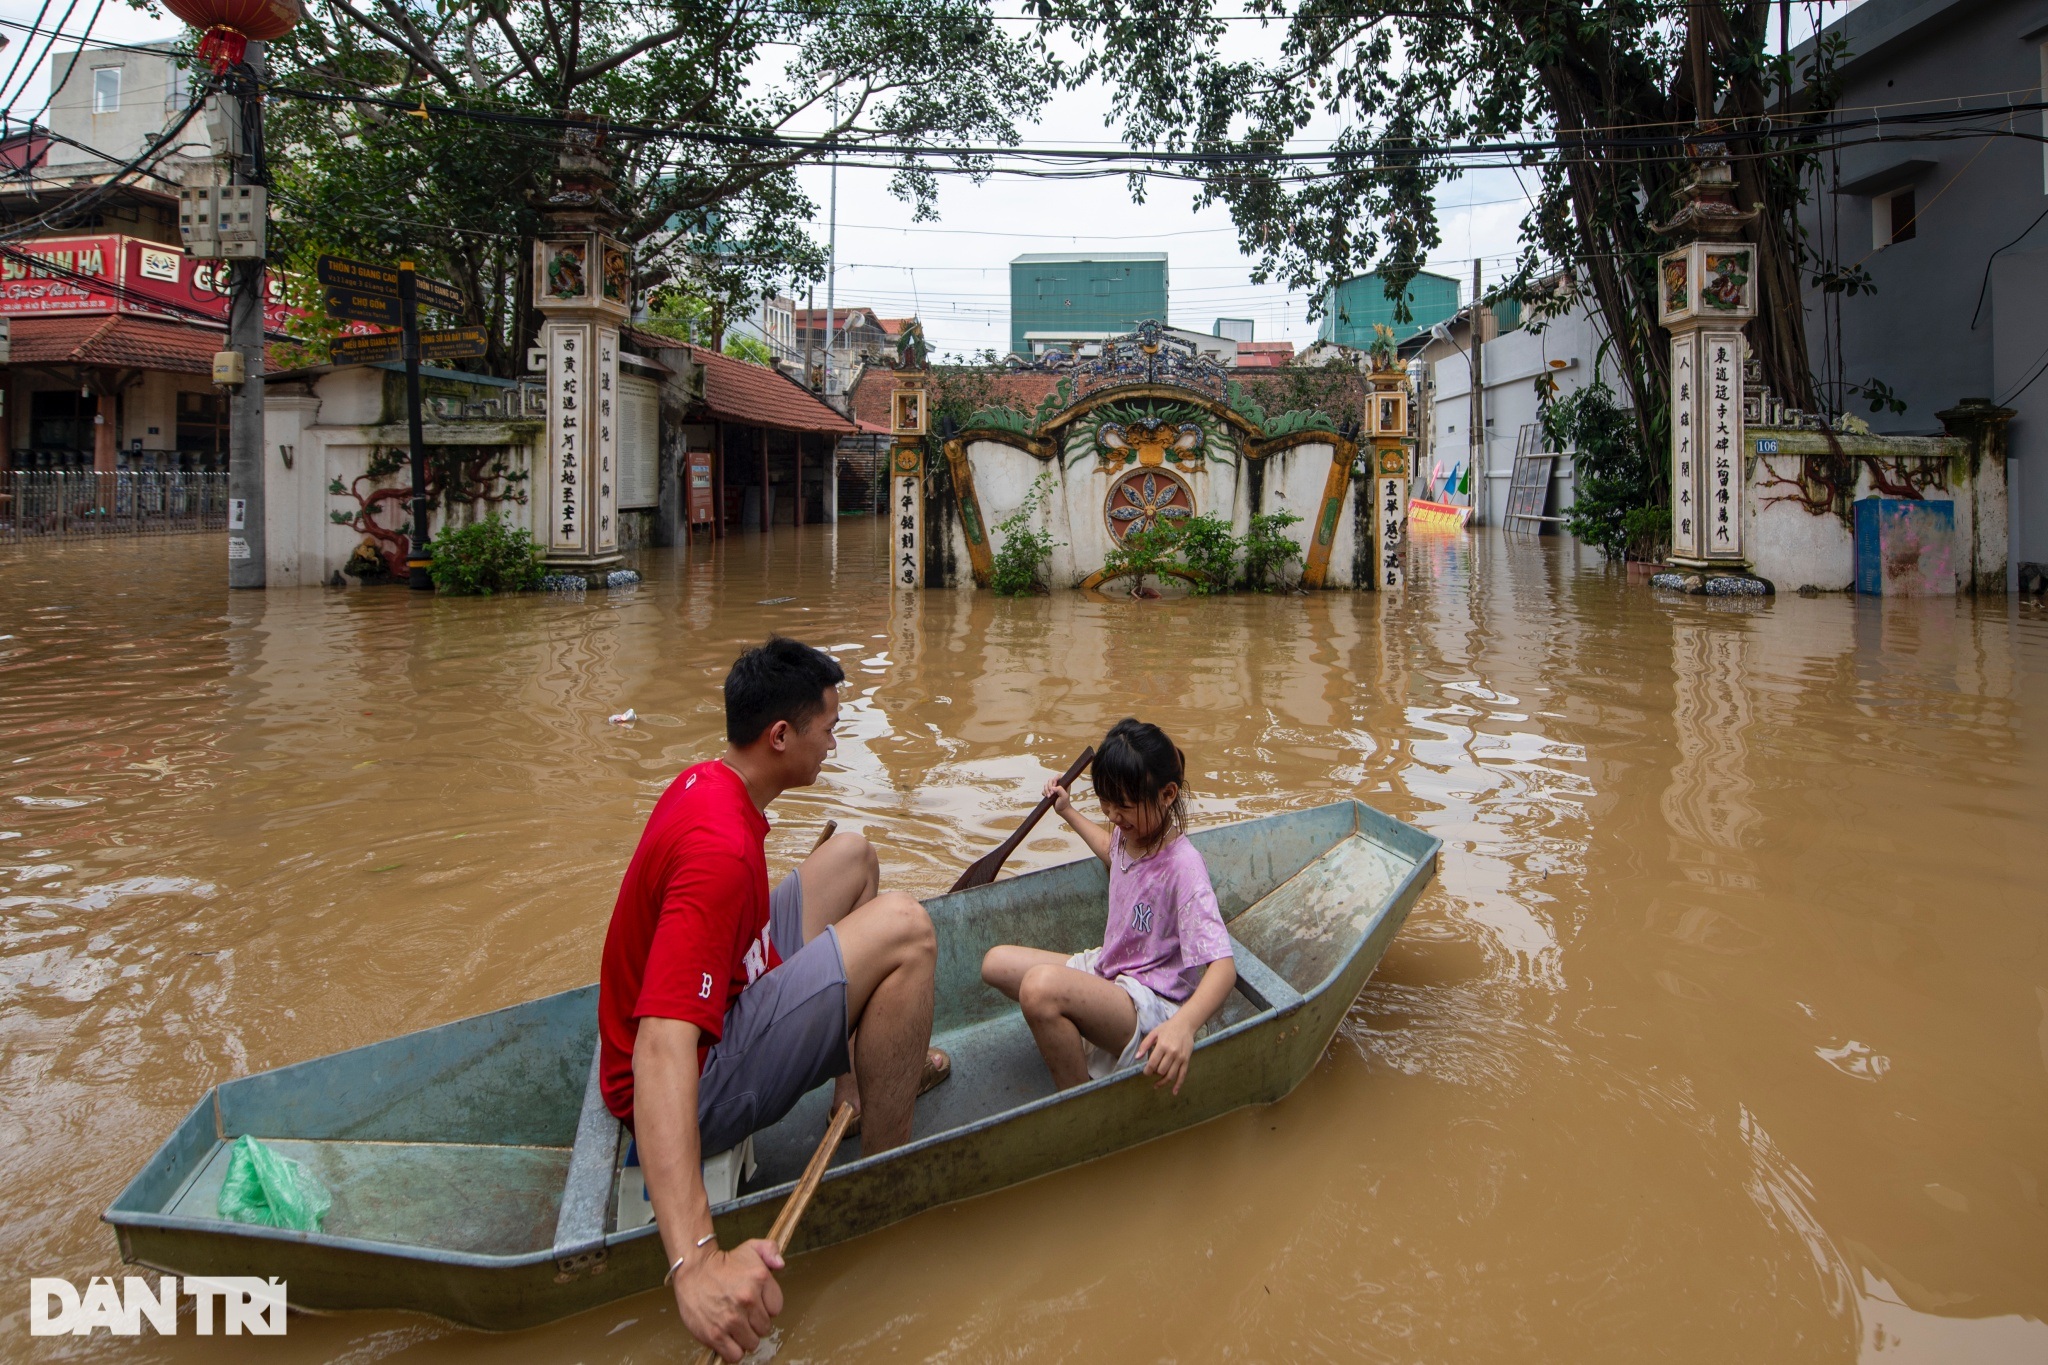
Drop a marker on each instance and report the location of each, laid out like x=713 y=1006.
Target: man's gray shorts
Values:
x=784 y=1035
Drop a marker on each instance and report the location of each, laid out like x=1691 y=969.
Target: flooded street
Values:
x=1722 y=1034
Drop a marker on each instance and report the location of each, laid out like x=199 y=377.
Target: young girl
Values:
x=1164 y=966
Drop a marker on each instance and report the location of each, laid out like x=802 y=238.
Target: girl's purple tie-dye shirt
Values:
x=1164 y=926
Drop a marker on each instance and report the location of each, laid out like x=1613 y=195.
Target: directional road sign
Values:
x=369 y=350
x=360 y=306
x=434 y=294
x=363 y=277
x=342 y=273
x=453 y=344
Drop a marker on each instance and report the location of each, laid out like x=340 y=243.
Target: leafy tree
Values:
x=697 y=93
x=1405 y=83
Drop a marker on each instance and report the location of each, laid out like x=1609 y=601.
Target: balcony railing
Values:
x=143 y=502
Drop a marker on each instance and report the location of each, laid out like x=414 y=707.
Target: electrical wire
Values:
x=152 y=152
x=57 y=84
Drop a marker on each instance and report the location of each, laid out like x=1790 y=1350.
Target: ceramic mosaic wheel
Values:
x=1143 y=498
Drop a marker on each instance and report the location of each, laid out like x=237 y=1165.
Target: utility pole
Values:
x=832 y=256
x=1475 y=463
x=419 y=557
x=244 y=96
x=831 y=274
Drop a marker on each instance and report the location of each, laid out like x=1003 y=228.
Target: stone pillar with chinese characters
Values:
x=1387 y=426
x=906 y=514
x=582 y=285
x=1706 y=291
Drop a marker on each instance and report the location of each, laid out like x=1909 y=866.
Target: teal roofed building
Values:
x=1069 y=300
x=1351 y=309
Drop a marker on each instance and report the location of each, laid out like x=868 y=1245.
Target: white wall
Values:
x=1074 y=513
x=1795 y=548
x=331 y=427
x=153 y=91
x=1513 y=361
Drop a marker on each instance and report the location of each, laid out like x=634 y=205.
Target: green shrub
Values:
x=1025 y=549
x=1141 y=553
x=485 y=557
x=1267 y=549
x=1209 y=551
x=1620 y=504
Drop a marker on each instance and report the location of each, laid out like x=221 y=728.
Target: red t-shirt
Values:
x=690 y=930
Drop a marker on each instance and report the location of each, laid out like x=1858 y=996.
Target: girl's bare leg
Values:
x=1004 y=967
x=1064 y=1006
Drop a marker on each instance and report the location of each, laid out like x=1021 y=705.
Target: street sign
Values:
x=369 y=350
x=342 y=273
x=453 y=344
x=359 y=306
x=434 y=294
x=362 y=277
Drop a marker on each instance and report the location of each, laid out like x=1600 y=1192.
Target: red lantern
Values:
x=229 y=25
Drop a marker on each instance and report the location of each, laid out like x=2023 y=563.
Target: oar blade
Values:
x=982 y=870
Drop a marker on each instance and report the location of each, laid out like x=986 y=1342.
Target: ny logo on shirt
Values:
x=1141 y=917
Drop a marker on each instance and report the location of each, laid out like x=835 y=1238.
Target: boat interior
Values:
x=486 y=1136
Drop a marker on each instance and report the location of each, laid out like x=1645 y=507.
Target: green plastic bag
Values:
x=271 y=1190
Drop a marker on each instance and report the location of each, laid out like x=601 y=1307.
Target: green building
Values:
x=1071 y=300
x=1350 y=310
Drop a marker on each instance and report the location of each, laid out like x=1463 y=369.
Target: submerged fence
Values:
x=140 y=502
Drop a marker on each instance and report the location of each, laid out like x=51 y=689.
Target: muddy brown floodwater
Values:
x=1722 y=1035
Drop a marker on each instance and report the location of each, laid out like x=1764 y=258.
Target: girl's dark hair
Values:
x=1133 y=765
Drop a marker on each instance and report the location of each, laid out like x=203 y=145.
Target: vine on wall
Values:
x=466 y=477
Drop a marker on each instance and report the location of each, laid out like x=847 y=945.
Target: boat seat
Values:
x=587 y=1192
x=1259 y=983
x=602 y=1193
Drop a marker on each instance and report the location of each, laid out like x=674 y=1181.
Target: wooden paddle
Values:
x=831 y=828
x=800 y=1198
x=983 y=870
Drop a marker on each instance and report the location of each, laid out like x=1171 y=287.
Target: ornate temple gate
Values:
x=1154 y=432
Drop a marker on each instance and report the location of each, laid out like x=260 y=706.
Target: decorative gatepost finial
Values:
x=583 y=287
x=1706 y=290
x=1387 y=426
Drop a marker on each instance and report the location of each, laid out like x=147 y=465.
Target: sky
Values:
x=954 y=273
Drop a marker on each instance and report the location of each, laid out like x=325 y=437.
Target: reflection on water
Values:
x=1720 y=1034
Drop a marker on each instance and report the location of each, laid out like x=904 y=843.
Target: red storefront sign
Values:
x=125 y=275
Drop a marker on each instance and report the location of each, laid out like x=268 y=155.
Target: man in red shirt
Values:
x=720 y=1003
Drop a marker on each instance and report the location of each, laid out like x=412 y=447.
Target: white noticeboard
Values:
x=639 y=442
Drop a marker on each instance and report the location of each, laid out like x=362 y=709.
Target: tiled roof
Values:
x=123 y=342
x=741 y=391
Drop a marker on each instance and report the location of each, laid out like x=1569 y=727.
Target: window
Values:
x=106 y=89
x=60 y=425
x=1893 y=218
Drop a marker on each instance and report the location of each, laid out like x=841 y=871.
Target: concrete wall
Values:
x=1293 y=480
x=1796 y=548
x=1923 y=331
x=327 y=429
x=153 y=91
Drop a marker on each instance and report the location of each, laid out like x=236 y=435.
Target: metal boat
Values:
x=476 y=1175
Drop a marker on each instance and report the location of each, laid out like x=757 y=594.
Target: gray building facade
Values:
x=1953 y=234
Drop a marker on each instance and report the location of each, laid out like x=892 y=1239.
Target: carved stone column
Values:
x=1706 y=291
x=1387 y=426
x=582 y=286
